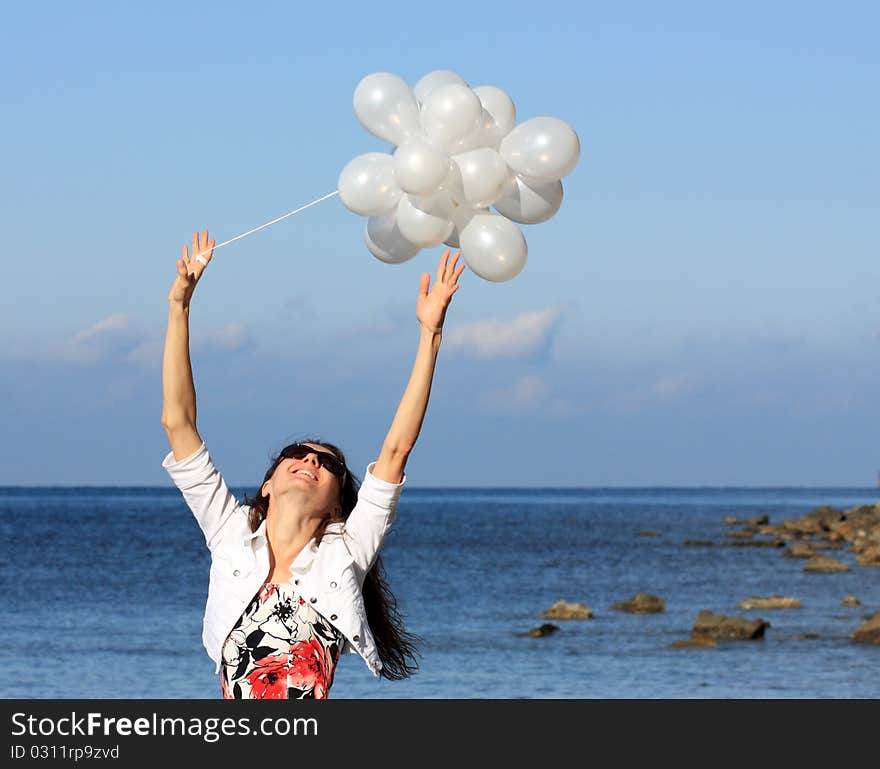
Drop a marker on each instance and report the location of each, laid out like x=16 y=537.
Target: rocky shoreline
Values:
x=811 y=536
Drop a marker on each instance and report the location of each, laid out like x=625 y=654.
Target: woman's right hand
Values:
x=189 y=269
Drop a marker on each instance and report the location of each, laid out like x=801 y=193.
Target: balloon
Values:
x=457 y=151
x=425 y=221
x=367 y=186
x=461 y=217
x=434 y=80
x=493 y=247
x=500 y=109
x=544 y=148
x=449 y=113
x=481 y=136
x=528 y=201
x=484 y=176
x=386 y=107
x=497 y=119
x=420 y=167
x=385 y=241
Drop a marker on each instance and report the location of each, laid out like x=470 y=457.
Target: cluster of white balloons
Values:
x=457 y=151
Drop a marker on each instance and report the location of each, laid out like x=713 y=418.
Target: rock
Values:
x=772 y=529
x=778 y=542
x=805 y=637
x=869 y=557
x=802 y=525
x=566 y=610
x=641 y=603
x=869 y=633
x=543 y=630
x=826 y=545
x=699 y=543
x=851 y=600
x=771 y=602
x=825 y=517
x=695 y=642
x=741 y=533
x=846 y=530
x=800 y=550
x=759 y=520
x=649 y=533
x=719 y=627
x=825 y=564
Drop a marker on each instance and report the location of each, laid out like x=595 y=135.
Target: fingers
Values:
x=202 y=250
x=453 y=275
x=441 y=268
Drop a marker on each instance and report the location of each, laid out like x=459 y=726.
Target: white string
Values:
x=199 y=257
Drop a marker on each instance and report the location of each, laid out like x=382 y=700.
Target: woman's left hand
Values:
x=431 y=307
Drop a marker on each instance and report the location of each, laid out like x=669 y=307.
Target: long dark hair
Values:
x=395 y=645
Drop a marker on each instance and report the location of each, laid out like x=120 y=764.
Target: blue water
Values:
x=103 y=593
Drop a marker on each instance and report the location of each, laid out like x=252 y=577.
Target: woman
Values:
x=296 y=577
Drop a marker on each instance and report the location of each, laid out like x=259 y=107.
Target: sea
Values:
x=103 y=595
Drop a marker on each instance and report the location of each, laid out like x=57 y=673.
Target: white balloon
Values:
x=497 y=119
x=544 y=148
x=367 y=185
x=484 y=176
x=453 y=183
x=434 y=80
x=385 y=241
x=449 y=113
x=419 y=166
x=425 y=221
x=461 y=217
x=528 y=201
x=493 y=247
x=481 y=136
x=386 y=107
x=500 y=109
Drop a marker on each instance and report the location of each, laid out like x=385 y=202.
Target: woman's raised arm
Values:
x=431 y=313
x=178 y=388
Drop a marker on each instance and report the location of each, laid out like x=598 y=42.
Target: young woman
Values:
x=296 y=577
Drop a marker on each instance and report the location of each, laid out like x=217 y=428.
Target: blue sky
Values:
x=703 y=310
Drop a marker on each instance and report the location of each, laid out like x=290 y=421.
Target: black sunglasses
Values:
x=327 y=460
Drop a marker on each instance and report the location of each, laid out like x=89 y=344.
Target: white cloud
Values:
x=663 y=389
x=147 y=355
x=92 y=345
x=116 y=337
x=524 y=335
x=530 y=393
x=526 y=392
x=674 y=386
x=228 y=338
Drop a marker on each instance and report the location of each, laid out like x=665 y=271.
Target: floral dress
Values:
x=280 y=648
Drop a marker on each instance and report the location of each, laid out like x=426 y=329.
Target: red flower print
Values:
x=311 y=667
x=268 y=679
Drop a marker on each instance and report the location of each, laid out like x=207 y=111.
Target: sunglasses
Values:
x=327 y=460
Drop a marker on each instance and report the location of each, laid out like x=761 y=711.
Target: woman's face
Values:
x=306 y=481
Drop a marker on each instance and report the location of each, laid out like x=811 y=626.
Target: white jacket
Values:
x=330 y=575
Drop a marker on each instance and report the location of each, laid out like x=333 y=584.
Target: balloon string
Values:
x=256 y=229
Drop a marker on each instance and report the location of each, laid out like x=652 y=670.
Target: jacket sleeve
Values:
x=372 y=516
x=204 y=490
